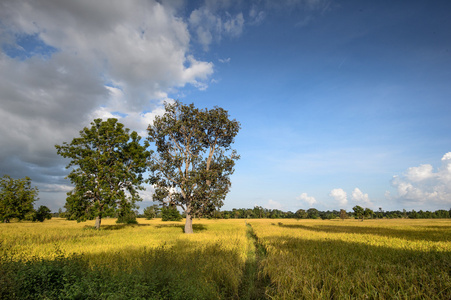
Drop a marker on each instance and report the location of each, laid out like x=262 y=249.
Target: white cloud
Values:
x=360 y=198
x=421 y=185
x=225 y=60
x=256 y=15
x=420 y=173
x=141 y=47
x=211 y=26
x=340 y=197
x=309 y=200
x=111 y=58
x=234 y=25
x=447 y=156
x=273 y=204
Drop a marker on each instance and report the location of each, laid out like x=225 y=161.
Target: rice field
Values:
x=227 y=259
x=374 y=259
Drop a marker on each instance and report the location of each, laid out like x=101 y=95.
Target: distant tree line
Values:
x=259 y=212
x=169 y=213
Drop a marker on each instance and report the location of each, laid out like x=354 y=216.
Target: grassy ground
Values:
x=152 y=260
x=227 y=259
x=375 y=259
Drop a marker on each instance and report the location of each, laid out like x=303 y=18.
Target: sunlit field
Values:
x=227 y=259
x=151 y=260
x=375 y=259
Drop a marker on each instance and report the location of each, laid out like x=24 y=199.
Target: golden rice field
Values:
x=374 y=259
x=227 y=259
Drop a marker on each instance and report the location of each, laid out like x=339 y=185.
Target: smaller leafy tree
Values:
x=126 y=214
x=151 y=212
x=107 y=162
x=343 y=214
x=16 y=198
x=170 y=213
x=358 y=212
x=313 y=213
x=368 y=213
x=42 y=213
x=301 y=214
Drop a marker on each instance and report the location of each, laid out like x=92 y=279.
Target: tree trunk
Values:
x=189 y=222
x=98 y=221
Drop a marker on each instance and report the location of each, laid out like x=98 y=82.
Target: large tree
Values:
x=16 y=198
x=193 y=161
x=107 y=164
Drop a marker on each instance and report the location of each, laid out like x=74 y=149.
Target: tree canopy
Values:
x=16 y=198
x=359 y=212
x=107 y=164
x=193 y=159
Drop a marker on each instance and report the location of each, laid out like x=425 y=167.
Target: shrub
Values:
x=170 y=214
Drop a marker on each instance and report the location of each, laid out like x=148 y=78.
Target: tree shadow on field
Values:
x=114 y=227
x=330 y=269
x=196 y=227
x=431 y=233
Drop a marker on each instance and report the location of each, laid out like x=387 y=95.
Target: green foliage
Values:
x=107 y=164
x=42 y=213
x=194 y=159
x=313 y=213
x=126 y=214
x=16 y=198
x=151 y=212
x=368 y=213
x=169 y=213
x=358 y=212
x=343 y=214
x=128 y=217
x=301 y=214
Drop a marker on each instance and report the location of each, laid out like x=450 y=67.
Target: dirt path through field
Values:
x=253 y=284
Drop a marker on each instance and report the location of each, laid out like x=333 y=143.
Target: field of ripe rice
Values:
x=227 y=259
x=152 y=260
x=375 y=259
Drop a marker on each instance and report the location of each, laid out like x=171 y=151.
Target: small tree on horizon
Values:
x=16 y=198
x=170 y=213
x=343 y=215
x=358 y=212
x=301 y=214
x=368 y=213
x=151 y=212
x=42 y=213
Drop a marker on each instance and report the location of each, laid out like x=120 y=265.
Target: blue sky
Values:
x=340 y=102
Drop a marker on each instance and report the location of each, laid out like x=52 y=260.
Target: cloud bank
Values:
x=309 y=200
x=65 y=63
x=361 y=199
x=422 y=185
x=340 y=197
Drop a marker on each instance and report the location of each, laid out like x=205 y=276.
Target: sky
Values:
x=341 y=103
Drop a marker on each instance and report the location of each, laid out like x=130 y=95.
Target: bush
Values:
x=127 y=218
x=170 y=214
x=151 y=212
x=42 y=213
